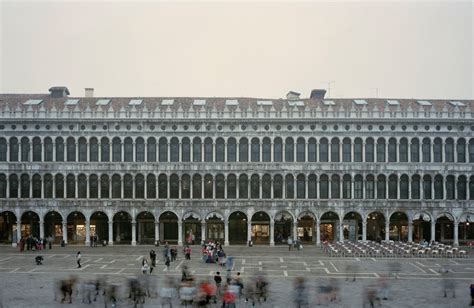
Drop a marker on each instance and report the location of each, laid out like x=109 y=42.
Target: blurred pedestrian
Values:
x=78 y=259
x=300 y=296
x=472 y=294
x=448 y=284
x=187 y=252
x=218 y=281
x=290 y=243
x=145 y=266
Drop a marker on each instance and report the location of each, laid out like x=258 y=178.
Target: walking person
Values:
x=472 y=294
x=145 y=266
x=167 y=263
x=78 y=259
x=218 y=281
x=153 y=260
x=187 y=252
x=290 y=243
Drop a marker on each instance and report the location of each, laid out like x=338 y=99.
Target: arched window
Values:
x=48 y=186
x=461 y=187
x=471 y=188
x=358 y=150
x=243 y=150
x=358 y=186
x=231 y=150
x=185 y=186
x=208 y=185
x=3 y=150
x=82 y=149
x=426 y=150
x=220 y=146
x=36 y=186
x=255 y=186
x=151 y=150
x=208 y=150
x=404 y=187
x=59 y=184
x=82 y=186
x=174 y=186
x=13 y=149
x=25 y=186
x=415 y=187
x=174 y=150
x=300 y=186
x=220 y=185
x=70 y=186
x=335 y=150
x=450 y=187
x=186 y=149
x=438 y=150
x=449 y=150
x=403 y=150
x=48 y=149
x=290 y=186
x=266 y=186
x=438 y=187
x=289 y=150
x=139 y=186
x=381 y=150
x=461 y=150
x=197 y=186
x=93 y=186
x=346 y=150
x=392 y=150
x=346 y=186
x=312 y=150
x=139 y=150
x=116 y=150
x=162 y=186
x=335 y=187
x=392 y=186
x=277 y=150
x=370 y=187
x=324 y=187
x=71 y=149
x=104 y=186
x=381 y=187
x=3 y=186
x=312 y=186
x=471 y=150
x=369 y=150
x=255 y=150
x=104 y=149
x=415 y=150
x=151 y=186
x=116 y=187
x=25 y=149
x=127 y=186
x=197 y=149
x=277 y=187
x=427 y=187
x=93 y=150
x=13 y=181
x=300 y=150
x=243 y=186
x=163 y=150
x=231 y=186
x=37 y=149
x=266 y=150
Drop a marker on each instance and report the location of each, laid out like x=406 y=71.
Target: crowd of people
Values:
x=33 y=243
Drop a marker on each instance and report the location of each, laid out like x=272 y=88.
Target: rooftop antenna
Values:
x=376 y=92
x=329 y=86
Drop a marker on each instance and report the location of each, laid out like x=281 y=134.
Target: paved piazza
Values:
x=419 y=283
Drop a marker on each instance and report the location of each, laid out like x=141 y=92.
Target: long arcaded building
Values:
x=137 y=170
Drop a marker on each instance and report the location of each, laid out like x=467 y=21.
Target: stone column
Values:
x=295 y=231
x=410 y=232
x=88 y=157
x=341 y=231
x=456 y=234
x=387 y=229
x=8 y=187
x=318 y=233
x=203 y=230
x=363 y=151
x=249 y=230
x=87 y=187
x=111 y=233
x=364 y=231
x=433 y=230
x=18 y=230
x=180 y=233
x=134 y=233
x=226 y=232
x=41 y=225
x=65 y=232
x=157 y=231
x=272 y=232
x=88 y=232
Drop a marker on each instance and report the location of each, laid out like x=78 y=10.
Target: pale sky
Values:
x=406 y=49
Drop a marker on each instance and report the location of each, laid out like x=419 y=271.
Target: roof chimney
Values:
x=317 y=94
x=89 y=92
x=58 y=92
x=292 y=95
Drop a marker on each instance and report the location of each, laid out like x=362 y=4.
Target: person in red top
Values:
x=187 y=252
x=229 y=299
